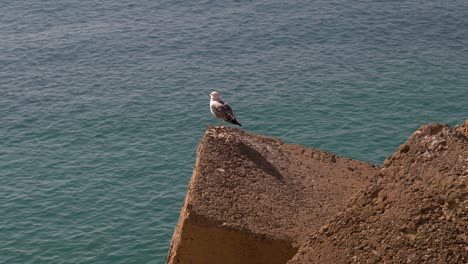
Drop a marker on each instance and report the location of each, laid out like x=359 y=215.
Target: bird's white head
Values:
x=214 y=96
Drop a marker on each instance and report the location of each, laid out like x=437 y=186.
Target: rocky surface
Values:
x=415 y=213
x=463 y=128
x=253 y=199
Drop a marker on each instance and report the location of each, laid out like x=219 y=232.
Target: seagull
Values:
x=221 y=110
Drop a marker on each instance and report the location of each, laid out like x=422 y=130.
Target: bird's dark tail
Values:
x=235 y=122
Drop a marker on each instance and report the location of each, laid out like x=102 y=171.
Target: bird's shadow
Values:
x=261 y=162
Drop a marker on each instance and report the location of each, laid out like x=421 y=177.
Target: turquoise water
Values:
x=102 y=106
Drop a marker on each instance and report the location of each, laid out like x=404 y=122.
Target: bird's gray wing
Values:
x=223 y=111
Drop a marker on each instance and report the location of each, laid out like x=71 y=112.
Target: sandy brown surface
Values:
x=253 y=199
x=415 y=213
x=463 y=128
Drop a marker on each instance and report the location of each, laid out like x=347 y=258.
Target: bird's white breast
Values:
x=211 y=106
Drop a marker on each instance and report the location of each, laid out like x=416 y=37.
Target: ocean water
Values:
x=102 y=105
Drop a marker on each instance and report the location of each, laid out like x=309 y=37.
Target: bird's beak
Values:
x=209 y=95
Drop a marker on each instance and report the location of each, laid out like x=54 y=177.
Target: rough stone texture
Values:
x=415 y=213
x=463 y=128
x=253 y=199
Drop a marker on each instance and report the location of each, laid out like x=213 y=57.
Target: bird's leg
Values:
x=217 y=122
